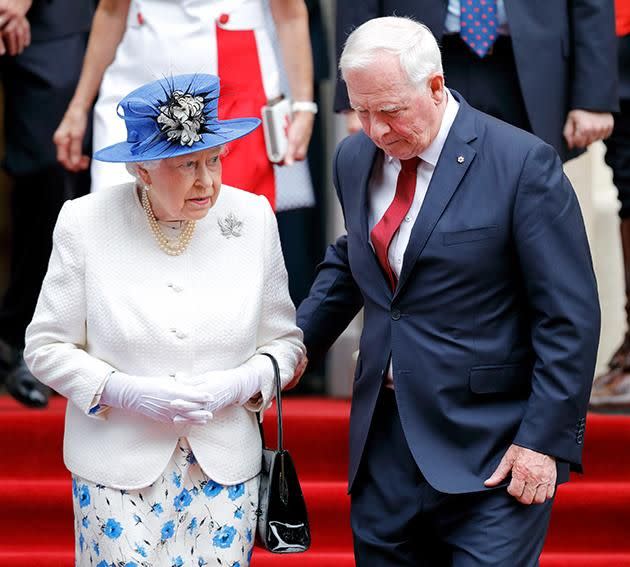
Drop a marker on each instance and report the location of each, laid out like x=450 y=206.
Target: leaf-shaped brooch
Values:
x=230 y=226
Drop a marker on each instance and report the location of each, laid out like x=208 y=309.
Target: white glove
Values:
x=227 y=387
x=161 y=399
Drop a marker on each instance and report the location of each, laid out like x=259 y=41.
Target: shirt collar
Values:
x=432 y=153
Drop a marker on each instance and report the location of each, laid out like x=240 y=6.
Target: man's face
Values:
x=400 y=118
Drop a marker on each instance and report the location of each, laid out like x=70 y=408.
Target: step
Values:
x=315 y=431
x=261 y=558
x=587 y=517
x=585 y=560
x=312 y=558
x=46 y=508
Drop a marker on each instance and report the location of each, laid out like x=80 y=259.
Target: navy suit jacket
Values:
x=565 y=53
x=494 y=325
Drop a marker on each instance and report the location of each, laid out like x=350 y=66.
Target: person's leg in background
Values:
x=35 y=97
x=612 y=389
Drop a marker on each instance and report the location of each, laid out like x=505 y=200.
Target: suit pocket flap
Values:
x=502 y=378
x=469 y=235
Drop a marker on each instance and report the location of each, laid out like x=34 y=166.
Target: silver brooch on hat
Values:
x=230 y=226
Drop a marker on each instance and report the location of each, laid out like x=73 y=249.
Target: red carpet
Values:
x=590 y=523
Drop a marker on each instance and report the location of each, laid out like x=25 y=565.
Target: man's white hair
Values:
x=412 y=42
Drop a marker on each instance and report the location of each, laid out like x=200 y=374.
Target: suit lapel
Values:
x=454 y=161
x=369 y=151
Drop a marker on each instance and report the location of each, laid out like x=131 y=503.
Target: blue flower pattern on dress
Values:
x=224 y=536
x=236 y=491
x=182 y=500
x=192 y=526
x=84 y=496
x=112 y=529
x=212 y=489
x=184 y=519
x=168 y=530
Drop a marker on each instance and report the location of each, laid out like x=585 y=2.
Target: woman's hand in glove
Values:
x=161 y=399
x=226 y=387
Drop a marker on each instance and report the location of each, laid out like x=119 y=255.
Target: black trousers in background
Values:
x=37 y=87
x=489 y=84
x=618 y=157
x=35 y=203
x=400 y=520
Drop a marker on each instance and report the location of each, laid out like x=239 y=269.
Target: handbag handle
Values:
x=276 y=372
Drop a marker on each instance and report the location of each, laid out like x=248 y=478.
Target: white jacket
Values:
x=112 y=300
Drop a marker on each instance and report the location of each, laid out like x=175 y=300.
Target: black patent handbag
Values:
x=282 y=517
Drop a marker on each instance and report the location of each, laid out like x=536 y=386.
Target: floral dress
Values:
x=183 y=519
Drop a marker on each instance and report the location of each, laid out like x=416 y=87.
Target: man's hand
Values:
x=10 y=9
x=297 y=375
x=533 y=475
x=15 y=36
x=584 y=127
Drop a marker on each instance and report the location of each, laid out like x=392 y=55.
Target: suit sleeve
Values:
x=57 y=336
x=335 y=297
x=350 y=15
x=557 y=271
x=594 y=56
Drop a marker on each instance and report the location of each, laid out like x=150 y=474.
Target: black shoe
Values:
x=25 y=388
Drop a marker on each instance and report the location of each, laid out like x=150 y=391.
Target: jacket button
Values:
x=396 y=314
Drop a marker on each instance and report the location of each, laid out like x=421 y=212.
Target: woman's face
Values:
x=185 y=187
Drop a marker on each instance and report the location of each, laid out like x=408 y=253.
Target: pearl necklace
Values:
x=171 y=247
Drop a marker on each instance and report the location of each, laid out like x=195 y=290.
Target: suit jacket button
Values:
x=395 y=314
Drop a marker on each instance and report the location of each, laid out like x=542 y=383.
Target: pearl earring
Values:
x=147 y=187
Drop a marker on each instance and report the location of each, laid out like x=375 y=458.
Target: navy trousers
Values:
x=399 y=520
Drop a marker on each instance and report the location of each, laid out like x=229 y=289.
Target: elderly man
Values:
x=466 y=247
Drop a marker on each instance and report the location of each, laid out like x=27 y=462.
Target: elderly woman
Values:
x=158 y=298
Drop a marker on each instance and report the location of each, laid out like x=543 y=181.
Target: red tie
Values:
x=385 y=229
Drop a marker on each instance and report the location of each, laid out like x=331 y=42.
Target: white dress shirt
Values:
x=382 y=188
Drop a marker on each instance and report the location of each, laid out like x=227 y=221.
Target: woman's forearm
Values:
x=108 y=28
x=291 y=20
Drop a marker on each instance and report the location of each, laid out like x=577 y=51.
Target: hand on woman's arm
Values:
x=108 y=28
x=291 y=20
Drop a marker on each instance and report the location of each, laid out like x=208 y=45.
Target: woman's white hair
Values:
x=412 y=42
x=132 y=167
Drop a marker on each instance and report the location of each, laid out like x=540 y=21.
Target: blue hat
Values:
x=172 y=117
